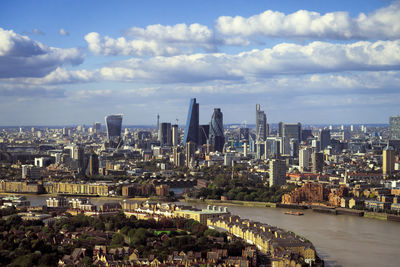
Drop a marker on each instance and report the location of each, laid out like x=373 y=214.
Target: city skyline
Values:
x=68 y=62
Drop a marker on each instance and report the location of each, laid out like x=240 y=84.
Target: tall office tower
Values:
x=261 y=125
x=394 y=127
x=93 y=166
x=79 y=157
x=272 y=147
x=175 y=135
x=179 y=157
x=114 y=125
x=317 y=159
x=192 y=123
x=190 y=149
x=387 y=161
x=305 y=134
x=96 y=127
x=277 y=172
x=260 y=150
x=291 y=130
x=217 y=130
x=294 y=147
x=204 y=132
x=324 y=137
x=305 y=158
x=165 y=134
x=280 y=129
x=244 y=134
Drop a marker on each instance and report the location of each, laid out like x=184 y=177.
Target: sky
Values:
x=309 y=61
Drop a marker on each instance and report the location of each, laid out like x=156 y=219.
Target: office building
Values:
x=175 y=135
x=305 y=134
x=261 y=125
x=305 y=158
x=190 y=149
x=165 y=134
x=277 y=172
x=30 y=172
x=244 y=134
x=93 y=166
x=217 y=130
x=317 y=159
x=204 y=131
x=97 y=127
x=291 y=130
x=114 y=125
x=324 y=137
x=192 y=124
x=394 y=127
x=387 y=161
x=272 y=147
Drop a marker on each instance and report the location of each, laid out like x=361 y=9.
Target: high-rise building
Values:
x=190 y=149
x=394 y=127
x=192 y=123
x=97 y=127
x=217 y=130
x=93 y=166
x=261 y=125
x=387 y=161
x=244 y=134
x=114 y=125
x=317 y=159
x=305 y=134
x=291 y=130
x=277 y=172
x=324 y=137
x=305 y=158
x=204 y=132
x=175 y=135
x=165 y=134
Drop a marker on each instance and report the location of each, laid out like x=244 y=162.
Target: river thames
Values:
x=340 y=240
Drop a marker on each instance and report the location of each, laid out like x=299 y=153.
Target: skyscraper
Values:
x=217 y=130
x=387 y=161
x=277 y=172
x=114 y=125
x=175 y=135
x=291 y=130
x=324 y=138
x=192 y=123
x=261 y=124
x=317 y=159
x=204 y=131
x=165 y=134
x=394 y=127
x=97 y=127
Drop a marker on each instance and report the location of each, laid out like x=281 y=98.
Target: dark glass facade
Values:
x=217 y=130
x=192 y=123
x=114 y=125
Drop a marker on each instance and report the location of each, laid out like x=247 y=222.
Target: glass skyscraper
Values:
x=261 y=124
x=192 y=123
x=114 y=125
x=394 y=127
x=217 y=130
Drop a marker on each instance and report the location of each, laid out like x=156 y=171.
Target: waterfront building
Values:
x=114 y=125
x=388 y=161
x=261 y=124
x=217 y=130
x=277 y=172
x=30 y=172
x=165 y=134
x=192 y=124
x=394 y=127
x=305 y=158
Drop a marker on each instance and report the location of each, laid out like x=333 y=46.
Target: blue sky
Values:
x=73 y=62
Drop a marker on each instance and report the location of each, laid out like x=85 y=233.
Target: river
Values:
x=340 y=240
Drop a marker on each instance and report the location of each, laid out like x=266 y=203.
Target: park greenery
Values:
x=31 y=243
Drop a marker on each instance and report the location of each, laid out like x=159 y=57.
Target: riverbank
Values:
x=232 y=203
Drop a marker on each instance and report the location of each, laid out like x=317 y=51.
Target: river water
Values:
x=340 y=240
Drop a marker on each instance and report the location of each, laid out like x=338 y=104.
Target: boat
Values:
x=297 y=213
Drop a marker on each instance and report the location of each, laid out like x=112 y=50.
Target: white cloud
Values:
x=63 y=32
x=22 y=57
x=384 y=23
